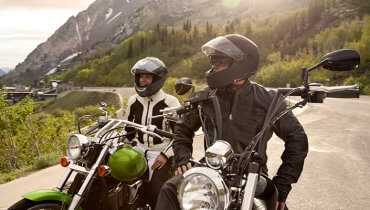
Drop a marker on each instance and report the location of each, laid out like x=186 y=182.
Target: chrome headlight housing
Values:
x=218 y=155
x=203 y=188
x=75 y=145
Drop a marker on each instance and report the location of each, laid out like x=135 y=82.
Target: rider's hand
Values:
x=280 y=205
x=182 y=169
x=159 y=162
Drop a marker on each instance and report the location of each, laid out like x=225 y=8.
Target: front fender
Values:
x=49 y=195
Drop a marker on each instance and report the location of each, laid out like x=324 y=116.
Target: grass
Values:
x=76 y=99
x=42 y=162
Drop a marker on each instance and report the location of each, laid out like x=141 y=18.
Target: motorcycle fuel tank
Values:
x=127 y=164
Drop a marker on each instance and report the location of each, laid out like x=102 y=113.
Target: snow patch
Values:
x=110 y=10
x=88 y=20
x=114 y=17
x=52 y=71
x=71 y=56
x=128 y=1
x=78 y=32
x=54 y=84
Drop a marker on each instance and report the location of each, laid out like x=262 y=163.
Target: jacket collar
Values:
x=232 y=89
x=158 y=96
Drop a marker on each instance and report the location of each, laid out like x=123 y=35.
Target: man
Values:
x=244 y=106
x=150 y=74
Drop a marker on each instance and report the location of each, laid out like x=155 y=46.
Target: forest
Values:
x=33 y=134
x=287 y=41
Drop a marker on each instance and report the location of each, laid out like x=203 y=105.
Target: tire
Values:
x=25 y=204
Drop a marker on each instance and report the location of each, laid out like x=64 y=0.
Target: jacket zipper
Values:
x=146 y=120
x=231 y=116
x=232 y=112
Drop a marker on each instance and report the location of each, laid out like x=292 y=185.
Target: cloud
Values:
x=15 y=37
x=13 y=52
x=44 y=4
x=24 y=24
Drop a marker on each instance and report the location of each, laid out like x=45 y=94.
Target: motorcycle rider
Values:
x=244 y=105
x=150 y=74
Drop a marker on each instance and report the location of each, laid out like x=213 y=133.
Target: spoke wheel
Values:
x=25 y=204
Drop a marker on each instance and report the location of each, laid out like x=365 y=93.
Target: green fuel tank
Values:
x=127 y=164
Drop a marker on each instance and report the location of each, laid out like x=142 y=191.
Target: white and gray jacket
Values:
x=141 y=109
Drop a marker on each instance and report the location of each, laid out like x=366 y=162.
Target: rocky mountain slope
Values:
x=114 y=20
x=2 y=72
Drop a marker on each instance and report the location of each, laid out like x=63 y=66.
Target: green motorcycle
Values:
x=108 y=171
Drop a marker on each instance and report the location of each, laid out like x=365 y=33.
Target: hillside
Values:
x=108 y=22
x=287 y=41
x=2 y=72
x=78 y=99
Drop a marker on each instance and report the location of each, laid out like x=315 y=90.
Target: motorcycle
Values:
x=224 y=180
x=109 y=169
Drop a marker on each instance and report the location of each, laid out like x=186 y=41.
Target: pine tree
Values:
x=208 y=30
x=142 y=43
x=227 y=29
x=130 y=49
x=248 y=28
x=195 y=34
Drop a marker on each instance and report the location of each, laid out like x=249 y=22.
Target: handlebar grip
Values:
x=344 y=94
x=163 y=133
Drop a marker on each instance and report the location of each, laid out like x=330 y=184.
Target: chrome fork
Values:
x=77 y=198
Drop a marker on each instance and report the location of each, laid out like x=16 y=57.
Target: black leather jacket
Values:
x=243 y=110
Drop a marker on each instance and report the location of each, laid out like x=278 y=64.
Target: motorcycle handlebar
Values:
x=330 y=92
x=284 y=91
x=352 y=91
x=163 y=133
x=175 y=110
x=343 y=94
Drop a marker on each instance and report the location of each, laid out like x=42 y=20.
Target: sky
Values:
x=24 y=24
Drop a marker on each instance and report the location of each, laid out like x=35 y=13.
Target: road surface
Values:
x=123 y=93
x=337 y=168
x=336 y=172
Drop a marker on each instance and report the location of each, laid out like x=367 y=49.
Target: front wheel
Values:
x=25 y=204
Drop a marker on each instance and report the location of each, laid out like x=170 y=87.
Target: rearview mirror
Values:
x=183 y=85
x=341 y=60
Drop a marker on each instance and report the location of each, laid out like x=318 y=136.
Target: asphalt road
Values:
x=336 y=171
x=123 y=93
x=337 y=168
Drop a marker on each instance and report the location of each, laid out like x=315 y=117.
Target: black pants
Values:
x=152 y=188
x=167 y=199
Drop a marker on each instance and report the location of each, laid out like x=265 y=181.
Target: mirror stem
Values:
x=305 y=83
x=317 y=65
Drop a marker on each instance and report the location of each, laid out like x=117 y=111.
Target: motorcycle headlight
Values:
x=75 y=146
x=218 y=155
x=203 y=188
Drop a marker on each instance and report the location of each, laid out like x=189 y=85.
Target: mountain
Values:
x=4 y=70
x=286 y=40
x=2 y=73
x=114 y=20
x=78 y=34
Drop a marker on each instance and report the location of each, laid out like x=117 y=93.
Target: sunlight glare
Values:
x=230 y=4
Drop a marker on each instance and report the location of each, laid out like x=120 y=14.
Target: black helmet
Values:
x=243 y=52
x=153 y=66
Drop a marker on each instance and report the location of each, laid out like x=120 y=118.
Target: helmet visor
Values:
x=222 y=45
x=145 y=66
